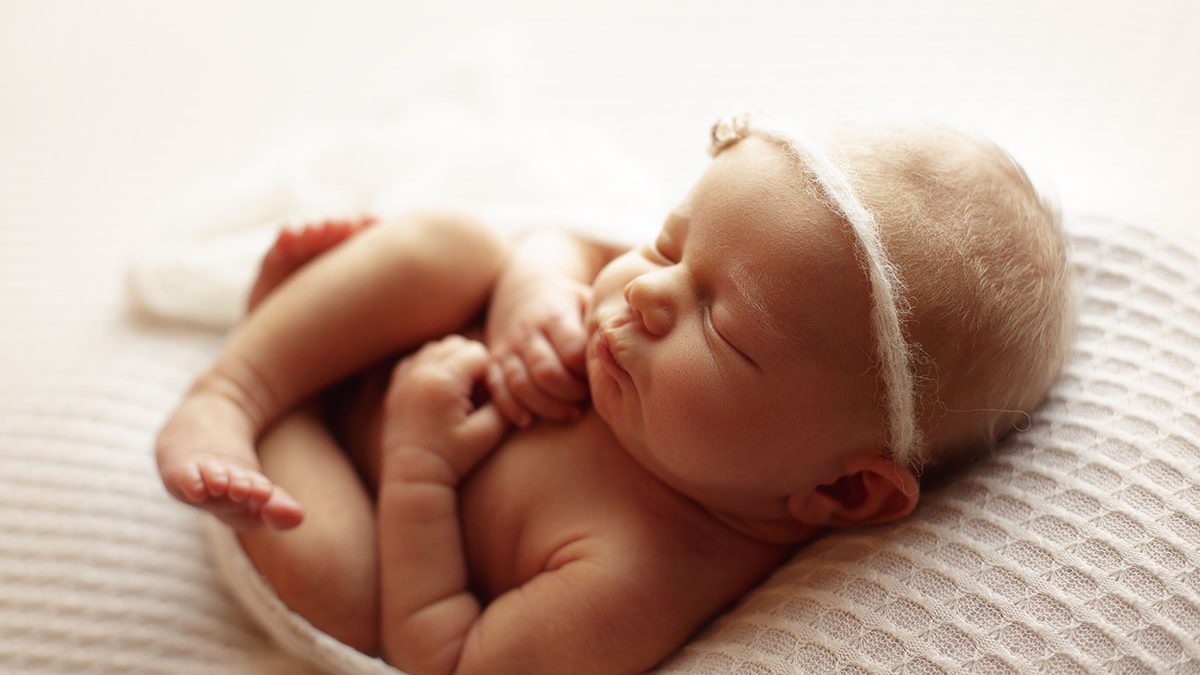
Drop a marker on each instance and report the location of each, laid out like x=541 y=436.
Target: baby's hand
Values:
x=536 y=334
x=429 y=408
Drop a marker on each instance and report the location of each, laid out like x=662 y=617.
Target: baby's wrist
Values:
x=520 y=274
x=414 y=463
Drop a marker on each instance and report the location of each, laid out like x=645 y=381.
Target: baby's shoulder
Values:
x=673 y=570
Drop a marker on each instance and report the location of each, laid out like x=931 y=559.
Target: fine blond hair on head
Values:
x=984 y=262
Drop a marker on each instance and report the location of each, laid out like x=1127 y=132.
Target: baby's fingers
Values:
x=570 y=342
x=548 y=372
x=482 y=430
x=503 y=398
x=531 y=397
x=473 y=438
x=469 y=357
x=439 y=379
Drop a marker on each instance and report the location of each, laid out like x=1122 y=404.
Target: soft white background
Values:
x=111 y=113
x=118 y=118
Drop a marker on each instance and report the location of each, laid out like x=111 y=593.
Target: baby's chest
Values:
x=541 y=489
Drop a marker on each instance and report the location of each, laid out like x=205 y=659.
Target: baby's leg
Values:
x=386 y=291
x=234 y=488
x=325 y=569
x=294 y=248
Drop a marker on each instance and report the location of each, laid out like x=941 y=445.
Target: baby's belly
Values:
x=541 y=489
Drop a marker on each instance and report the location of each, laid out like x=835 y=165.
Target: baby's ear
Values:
x=873 y=490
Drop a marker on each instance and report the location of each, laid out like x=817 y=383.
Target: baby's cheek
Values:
x=692 y=412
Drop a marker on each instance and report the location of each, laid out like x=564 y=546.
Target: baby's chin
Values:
x=605 y=401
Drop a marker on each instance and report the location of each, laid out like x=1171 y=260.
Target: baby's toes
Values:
x=216 y=478
x=287 y=242
x=240 y=484
x=282 y=511
x=237 y=516
x=186 y=481
x=259 y=491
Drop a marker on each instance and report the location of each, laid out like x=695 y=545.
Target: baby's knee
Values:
x=456 y=253
x=446 y=232
x=465 y=229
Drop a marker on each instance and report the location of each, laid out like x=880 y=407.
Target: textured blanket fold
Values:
x=288 y=629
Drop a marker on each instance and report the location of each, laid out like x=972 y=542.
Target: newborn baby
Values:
x=806 y=337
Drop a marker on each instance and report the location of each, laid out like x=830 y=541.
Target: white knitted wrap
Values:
x=904 y=437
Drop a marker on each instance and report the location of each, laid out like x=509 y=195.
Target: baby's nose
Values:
x=651 y=302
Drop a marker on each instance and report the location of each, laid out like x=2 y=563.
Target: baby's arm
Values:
x=535 y=325
x=598 y=607
x=386 y=290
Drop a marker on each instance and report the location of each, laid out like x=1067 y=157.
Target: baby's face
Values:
x=732 y=356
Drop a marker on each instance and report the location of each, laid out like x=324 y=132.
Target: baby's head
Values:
x=805 y=336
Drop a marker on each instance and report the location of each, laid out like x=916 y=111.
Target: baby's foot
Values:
x=294 y=247
x=206 y=458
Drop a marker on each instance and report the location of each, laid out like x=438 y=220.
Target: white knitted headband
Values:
x=904 y=438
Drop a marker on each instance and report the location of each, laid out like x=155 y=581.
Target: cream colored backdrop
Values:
x=118 y=118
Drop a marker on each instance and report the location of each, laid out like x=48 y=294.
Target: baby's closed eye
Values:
x=711 y=326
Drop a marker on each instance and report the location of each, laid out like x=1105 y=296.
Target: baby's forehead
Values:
x=797 y=293
x=755 y=189
x=890 y=162
x=791 y=236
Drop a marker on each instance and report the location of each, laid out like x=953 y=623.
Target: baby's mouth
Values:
x=607 y=343
x=605 y=352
